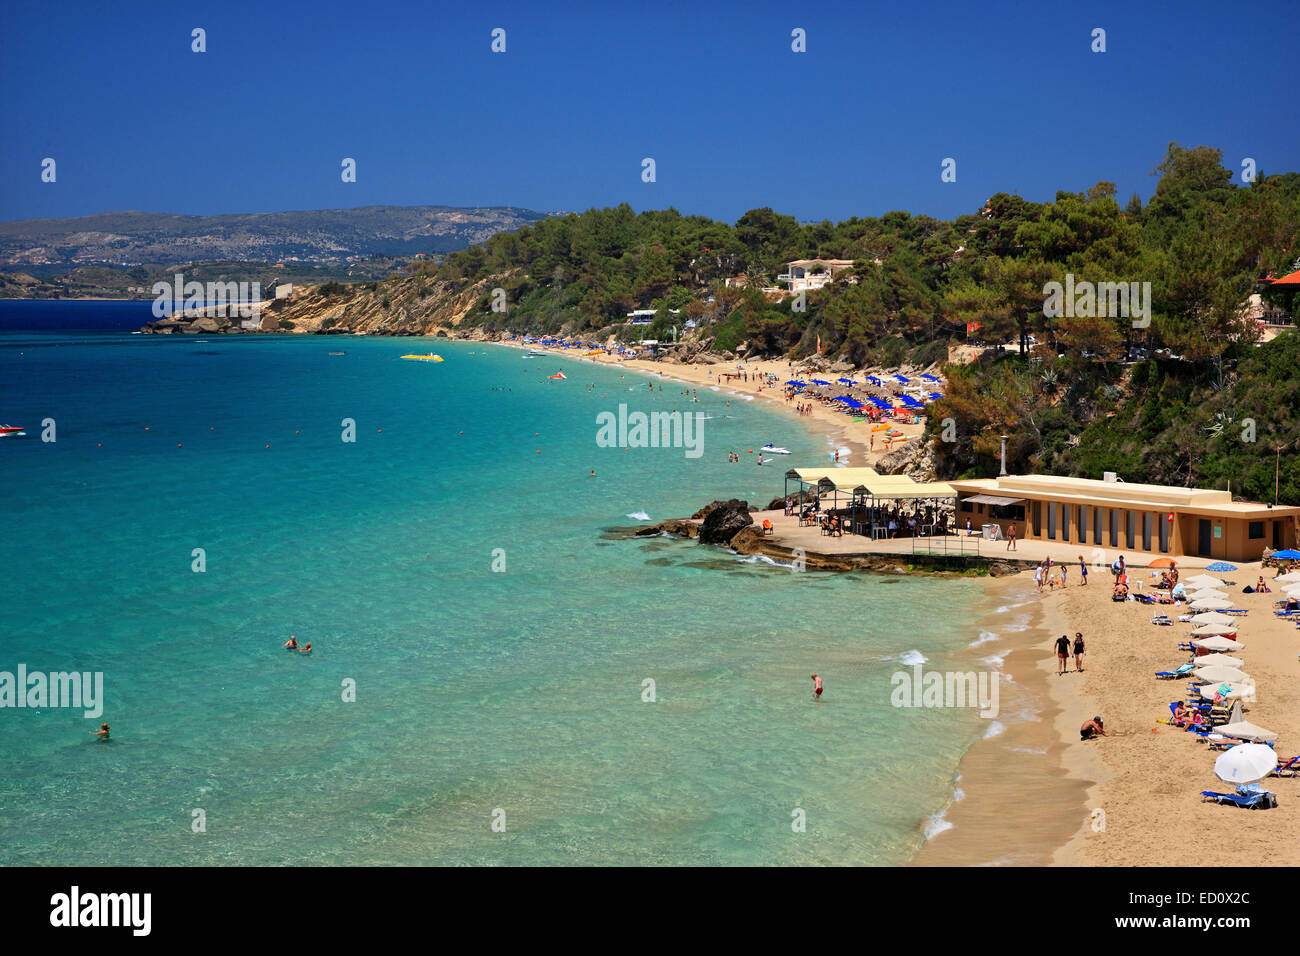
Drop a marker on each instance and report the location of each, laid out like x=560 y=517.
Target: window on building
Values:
x=1146 y=531
x=1257 y=529
x=1051 y=520
x=1164 y=533
x=1130 y=529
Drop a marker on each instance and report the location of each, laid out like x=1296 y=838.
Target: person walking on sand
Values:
x=1062 y=654
x=1092 y=728
x=817 y=687
x=1011 y=537
x=1064 y=568
x=1038 y=577
x=1078 y=651
x=1083 y=571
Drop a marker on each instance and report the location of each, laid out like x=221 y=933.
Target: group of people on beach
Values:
x=1050 y=575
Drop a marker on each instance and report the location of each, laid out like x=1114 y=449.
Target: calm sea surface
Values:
x=476 y=691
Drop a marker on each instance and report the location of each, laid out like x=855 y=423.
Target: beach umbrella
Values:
x=1290 y=554
x=1161 y=563
x=1209 y=630
x=1212 y=617
x=1217 y=644
x=1210 y=604
x=1205 y=579
x=1245 y=763
x=1208 y=660
x=1245 y=730
x=1207 y=593
x=1291 y=577
x=1225 y=566
x=1227 y=691
x=1218 y=674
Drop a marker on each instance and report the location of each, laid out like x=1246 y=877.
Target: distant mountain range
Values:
x=125 y=240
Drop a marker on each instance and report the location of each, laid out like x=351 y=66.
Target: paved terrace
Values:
x=787 y=533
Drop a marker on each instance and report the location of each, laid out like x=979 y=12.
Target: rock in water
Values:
x=724 y=520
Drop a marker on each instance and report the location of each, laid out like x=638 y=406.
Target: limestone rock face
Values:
x=914 y=459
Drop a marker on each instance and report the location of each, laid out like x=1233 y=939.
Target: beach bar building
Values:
x=868 y=499
x=1151 y=519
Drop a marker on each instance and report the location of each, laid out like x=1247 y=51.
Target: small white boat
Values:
x=773 y=450
x=12 y=431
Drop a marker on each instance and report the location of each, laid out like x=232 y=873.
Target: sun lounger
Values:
x=1287 y=768
x=1181 y=671
x=1163 y=620
x=1246 y=799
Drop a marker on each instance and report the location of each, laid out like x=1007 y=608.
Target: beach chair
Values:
x=1181 y=671
x=1287 y=768
x=1244 y=797
x=767 y=526
x=1163 y=620
x=1186 y=647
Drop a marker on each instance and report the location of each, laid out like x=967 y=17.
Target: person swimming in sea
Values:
x=102 y=732
x=306 y=649
x=291 y=644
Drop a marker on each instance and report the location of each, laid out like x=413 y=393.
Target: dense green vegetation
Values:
x=1201 y=405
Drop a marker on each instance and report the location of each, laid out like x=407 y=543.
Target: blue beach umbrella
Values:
x=1224 y=566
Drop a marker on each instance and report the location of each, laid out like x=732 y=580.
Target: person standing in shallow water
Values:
x=817 y=687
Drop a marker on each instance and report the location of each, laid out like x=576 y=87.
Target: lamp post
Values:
x=1003 y=472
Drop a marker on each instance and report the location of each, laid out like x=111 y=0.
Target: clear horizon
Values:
x=858 y=125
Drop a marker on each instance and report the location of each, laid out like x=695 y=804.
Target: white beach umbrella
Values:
x=1212 y=617
x=1217 y=644
x=1245 y=763
x=1292 y=590
x=1207 y=593
x=1208 y=630
x=1204 y=580
x=1208 y=660
x=1210 y=604
x=1219 y=674
x=1245 y=730
x=1289 y=577
x=1228 y=690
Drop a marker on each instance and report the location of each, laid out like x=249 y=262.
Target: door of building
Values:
x=1203 y=537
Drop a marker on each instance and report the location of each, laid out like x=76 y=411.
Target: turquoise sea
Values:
x=476 y=690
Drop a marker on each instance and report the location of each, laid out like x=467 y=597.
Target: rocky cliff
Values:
x=412 y=305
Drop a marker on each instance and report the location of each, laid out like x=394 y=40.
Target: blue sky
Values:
x=857 y=125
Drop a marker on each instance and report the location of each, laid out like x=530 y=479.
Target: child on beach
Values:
x=1038 y=577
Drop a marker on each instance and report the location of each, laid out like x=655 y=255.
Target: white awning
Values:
x=992 y=500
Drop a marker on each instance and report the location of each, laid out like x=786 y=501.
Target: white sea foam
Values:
x=638 y=515
x=984 y=638
x=912 y=658
x=937 y=824
x=995 y=729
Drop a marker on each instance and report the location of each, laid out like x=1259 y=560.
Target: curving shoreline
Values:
x=1027 y=756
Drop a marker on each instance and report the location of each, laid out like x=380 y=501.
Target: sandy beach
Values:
x=1147 y=777
x=840 y=428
